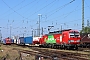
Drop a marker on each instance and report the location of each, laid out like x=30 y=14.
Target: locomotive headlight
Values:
x=71 y=41
x=78 y=41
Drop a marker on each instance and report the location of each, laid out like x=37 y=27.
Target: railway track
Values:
x=67 y=55
x=31 y=46
x=56 y=53
x=59 y=55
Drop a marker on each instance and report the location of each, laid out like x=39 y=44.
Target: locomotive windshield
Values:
x=74 y=34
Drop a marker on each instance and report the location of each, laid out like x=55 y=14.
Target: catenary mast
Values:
x=82 y=14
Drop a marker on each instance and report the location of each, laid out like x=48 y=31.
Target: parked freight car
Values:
x=36 y=40
x=61 y=39
x=14 y=39
x=28 y=40
x=21 y=41
x=85 y=39
x=25 y=40
x=17 y=41
x=7 y=41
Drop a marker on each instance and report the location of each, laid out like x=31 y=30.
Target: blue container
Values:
x=21 y=40
x=12 y=41
x=28 y=40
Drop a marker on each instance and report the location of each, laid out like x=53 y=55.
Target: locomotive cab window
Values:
x=74 y=34
x=71 y=34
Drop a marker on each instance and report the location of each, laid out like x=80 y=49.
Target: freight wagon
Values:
x=65 y=39
x=21 y=41
x=85 y=40
x=36 y=40
x=25 y=40
x=28 y=40
x=14 y=38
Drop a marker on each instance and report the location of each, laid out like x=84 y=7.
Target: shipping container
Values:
x=12 y=41
x=21 y=39
x=15 y=40
x=18 y=41
x=28 y=40
x=36 y=40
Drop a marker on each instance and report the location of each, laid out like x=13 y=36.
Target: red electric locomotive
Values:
x=7 y=41
x=61 y=39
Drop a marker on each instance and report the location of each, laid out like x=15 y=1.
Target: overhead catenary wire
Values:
x=12 y=7
x=65 y=15
x=23 y=7
x=73 y=20
x=29 y=21
x=87 y=5
x=26 y=5
x=42 y=8
x=67 y=23
x=61 y=7
x=17 y=10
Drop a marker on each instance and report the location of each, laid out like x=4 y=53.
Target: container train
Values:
x=30 y=40
x=66 y=39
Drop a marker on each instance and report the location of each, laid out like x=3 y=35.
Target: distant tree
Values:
x=85 y=30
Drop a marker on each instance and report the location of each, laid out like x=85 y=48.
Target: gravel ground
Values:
x=10 y=53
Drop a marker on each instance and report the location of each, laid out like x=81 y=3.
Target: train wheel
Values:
x=52 y=46
x=76 y=48
x=68 y=47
